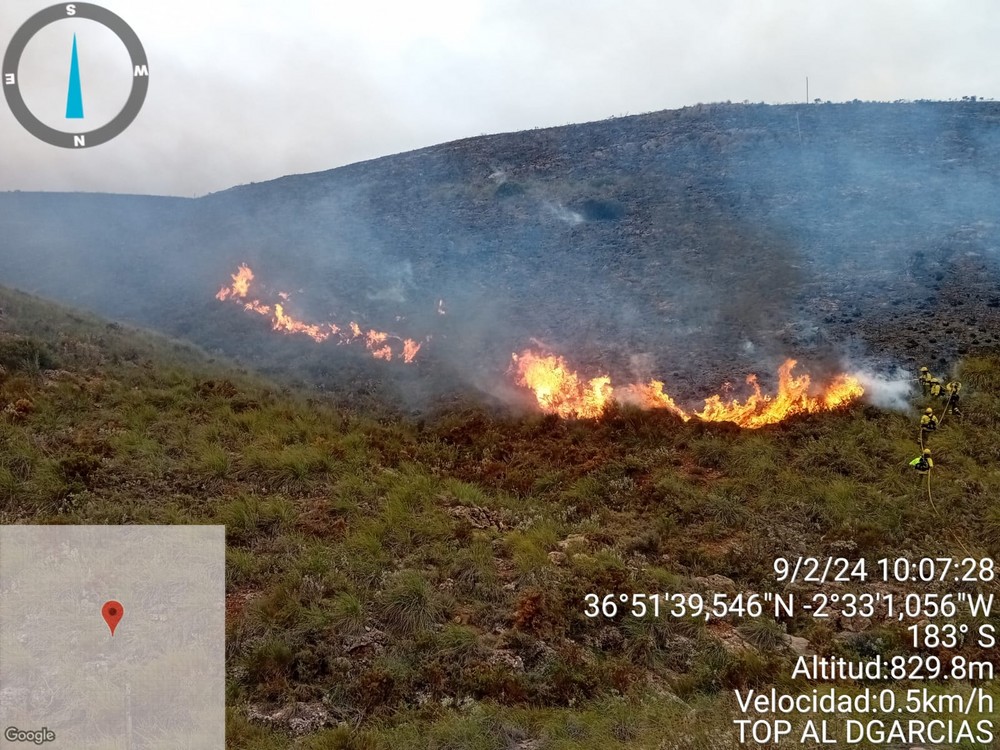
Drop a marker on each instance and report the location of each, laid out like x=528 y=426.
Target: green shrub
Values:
x=249 y=517
x=347 y=614
x=711 y=452
x=410 y=604
x=340 y=738
x=764 y=633
x=25 y=355
x=269 y=660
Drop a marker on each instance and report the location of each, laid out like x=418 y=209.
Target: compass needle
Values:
x=74 y=99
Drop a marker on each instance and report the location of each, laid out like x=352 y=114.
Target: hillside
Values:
x=420 y=583
x=697 y=245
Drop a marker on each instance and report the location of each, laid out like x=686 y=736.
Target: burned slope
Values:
x=697 y=244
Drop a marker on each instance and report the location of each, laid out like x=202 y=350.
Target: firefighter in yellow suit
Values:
x=951 y=392
x=936 y=388
x=925 y=379
x=923 y=463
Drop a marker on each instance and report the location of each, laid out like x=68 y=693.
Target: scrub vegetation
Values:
x=395 y=581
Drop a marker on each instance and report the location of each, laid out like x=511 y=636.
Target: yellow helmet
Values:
x=927 y=451
x=929 y=410
x=923 y=369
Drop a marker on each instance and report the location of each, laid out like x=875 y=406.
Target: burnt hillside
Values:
x=696 y=244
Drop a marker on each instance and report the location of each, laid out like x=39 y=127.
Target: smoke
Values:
x=564 y=214
x=642 y=367
x=718 y=242
x=399 y=280
x=887 y=391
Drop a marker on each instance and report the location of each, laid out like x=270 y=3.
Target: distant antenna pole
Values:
x=807 y=89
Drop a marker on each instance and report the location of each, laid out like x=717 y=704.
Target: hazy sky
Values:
x=248 y=91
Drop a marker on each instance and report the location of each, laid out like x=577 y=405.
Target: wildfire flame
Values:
x=559 y=390
x=793 y=398
x=240 y=287
x=652 y=396
x=380 y=344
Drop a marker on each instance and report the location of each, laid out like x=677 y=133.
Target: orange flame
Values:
x=559 y=390
x=257 y=307
x=410 y=349
x=793 y=397
x=652 y=396
x=380 y=344
x=241 y=284
x=288 y=324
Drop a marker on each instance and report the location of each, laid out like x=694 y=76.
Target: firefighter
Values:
x=936 y=388
x=925 y=379
x=928 y=422
x=923 y=463
x=952 y=393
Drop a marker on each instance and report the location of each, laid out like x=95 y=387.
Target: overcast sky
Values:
x=249 y=91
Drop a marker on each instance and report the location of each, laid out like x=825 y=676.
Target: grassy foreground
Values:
x=402 y=583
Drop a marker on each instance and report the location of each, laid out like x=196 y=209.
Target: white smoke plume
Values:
x=887 y=391
x=564 y=214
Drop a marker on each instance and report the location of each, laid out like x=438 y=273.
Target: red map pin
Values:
x=112 y=612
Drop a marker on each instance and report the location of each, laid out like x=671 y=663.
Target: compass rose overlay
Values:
x=11 y=81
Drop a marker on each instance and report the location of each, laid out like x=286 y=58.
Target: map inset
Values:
x=156 y=680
